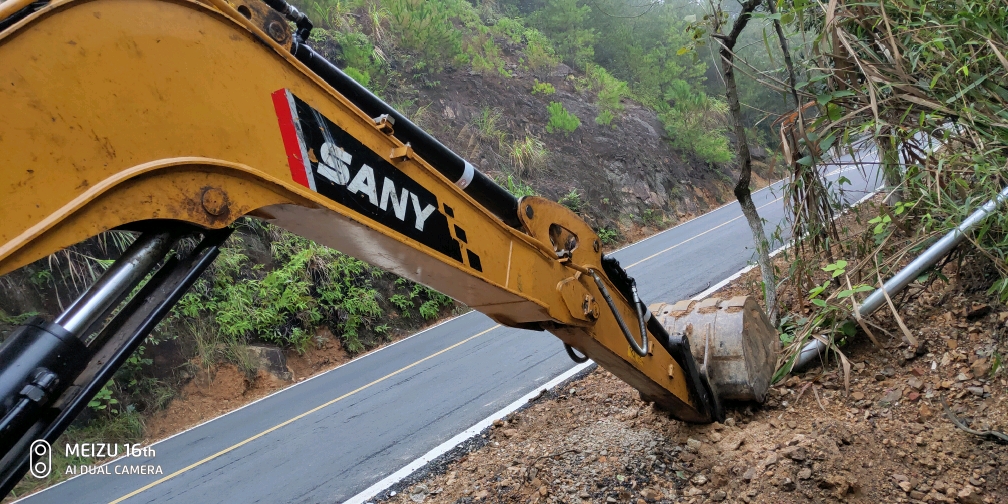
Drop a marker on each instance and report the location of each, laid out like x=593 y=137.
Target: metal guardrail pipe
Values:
x=930 y=256
x=942 y=247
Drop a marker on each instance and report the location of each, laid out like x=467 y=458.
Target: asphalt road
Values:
x=332 y=436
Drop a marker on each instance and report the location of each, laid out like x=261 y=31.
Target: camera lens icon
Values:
x=40 y=458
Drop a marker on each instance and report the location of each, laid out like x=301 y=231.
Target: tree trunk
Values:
x=742 y=192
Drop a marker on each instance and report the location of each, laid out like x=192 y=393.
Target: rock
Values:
x=731 y=443
x=718 y=496
x=796 y=453
x=916 y=383
x=271 y=360
x=483 y=494
x=583 y=494
x=693 y=445
x=979 y=368
x=769 y=461
x=906 y=486
x=805 y=473
x=787 y=485
x=498 y=423
x=418 y=493
x=648 y=494
x=891 y=397
x=857 y=396
x=913 y=396
x=510 y=432
x=699 y=479
x=749 y=475
x=610 y=499
x=969 y=495
x=561 y=71
x=543 y=490
x=977 y=391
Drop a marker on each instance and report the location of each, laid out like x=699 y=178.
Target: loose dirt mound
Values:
x=887 y=441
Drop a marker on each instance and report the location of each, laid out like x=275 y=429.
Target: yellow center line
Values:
x=288 y=422
x=652 y=256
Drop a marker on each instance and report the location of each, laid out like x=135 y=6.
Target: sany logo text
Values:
x=335 y=166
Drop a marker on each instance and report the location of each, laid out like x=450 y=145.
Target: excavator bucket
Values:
x=732 y=340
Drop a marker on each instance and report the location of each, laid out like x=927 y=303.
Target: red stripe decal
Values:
x=290 y=138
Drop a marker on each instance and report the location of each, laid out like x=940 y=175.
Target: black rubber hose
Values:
x=481 y=188
x=574 y=356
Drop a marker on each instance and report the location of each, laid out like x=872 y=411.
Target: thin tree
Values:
x=742 y=191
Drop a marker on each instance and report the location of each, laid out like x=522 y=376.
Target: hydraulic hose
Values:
x=481 y=188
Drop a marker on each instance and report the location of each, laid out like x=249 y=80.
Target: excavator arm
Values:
x=177 y=117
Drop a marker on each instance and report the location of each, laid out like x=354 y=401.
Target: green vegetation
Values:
x=309 y=286
x=572 y=201
x=528 y=155
x=609 y=91
x=695 y=123
x=516 y=187
x=560 y=119
x=608 y=236
x=543 y=88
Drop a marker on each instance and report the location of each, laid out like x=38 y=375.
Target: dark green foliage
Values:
x=565 y=22
x=695 y=122
x=423 y=27
x=560 y=120
x=572 y=201
x=308 y=286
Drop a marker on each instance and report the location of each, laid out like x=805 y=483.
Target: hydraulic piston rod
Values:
x=125 y=274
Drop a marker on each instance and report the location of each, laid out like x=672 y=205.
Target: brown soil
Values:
x=213 y=393
x=886 y=440
x=319 y=358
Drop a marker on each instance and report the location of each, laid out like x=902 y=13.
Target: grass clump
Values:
x=528 y=155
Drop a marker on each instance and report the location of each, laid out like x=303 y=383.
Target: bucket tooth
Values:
x=733 y=338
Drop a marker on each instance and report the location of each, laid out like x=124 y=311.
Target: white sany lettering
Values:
x=364 y=183
x=421 y=216
x=334 y=164
x=398 y=204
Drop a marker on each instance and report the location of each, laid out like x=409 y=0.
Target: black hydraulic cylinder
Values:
x=37 y=362
x=481 y=188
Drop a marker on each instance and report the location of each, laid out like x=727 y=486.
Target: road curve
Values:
x=327 y=438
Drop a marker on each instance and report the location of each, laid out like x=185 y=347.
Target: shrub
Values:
x=424 y=27
x=695 y=123
x=544 y=88
x=609 y=91
x=608 y=235
x=539 y=52
x=560 y=119
x=572 y=201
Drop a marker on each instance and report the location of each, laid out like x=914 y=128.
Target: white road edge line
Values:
x=714 y=288
x=447 y=446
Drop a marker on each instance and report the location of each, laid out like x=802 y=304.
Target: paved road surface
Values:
x=330 y=437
